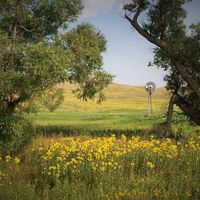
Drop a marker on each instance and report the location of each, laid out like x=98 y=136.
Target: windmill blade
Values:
x=150 y=87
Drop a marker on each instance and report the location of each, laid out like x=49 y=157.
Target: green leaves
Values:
x=45 y=64
x=34 y=20
x=52 y=98
x=134 y=5
x=34 y=57
x=86 y=45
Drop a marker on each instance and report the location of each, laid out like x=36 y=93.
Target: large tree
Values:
x=36 y=53
x=177 y=49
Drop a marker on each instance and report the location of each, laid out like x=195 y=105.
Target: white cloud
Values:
x=94 y=7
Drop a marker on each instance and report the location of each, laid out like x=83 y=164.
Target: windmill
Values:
x=150 y=88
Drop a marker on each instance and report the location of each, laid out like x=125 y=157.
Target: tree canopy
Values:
x=37 y=52
x=34 y=55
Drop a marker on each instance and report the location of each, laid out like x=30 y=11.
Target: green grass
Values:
x=127 y=120
x=124 y=108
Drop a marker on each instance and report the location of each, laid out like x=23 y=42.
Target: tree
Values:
x=176 y=51
x=34 y=56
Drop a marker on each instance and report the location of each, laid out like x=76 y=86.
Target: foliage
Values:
x=103 y=168
x=53 y=98
x=188 y=48
x=33 y=20
x=16 y=131
x=85 y=45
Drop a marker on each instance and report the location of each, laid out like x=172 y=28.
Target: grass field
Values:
x=124 y=108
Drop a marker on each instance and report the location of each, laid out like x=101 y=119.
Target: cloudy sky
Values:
x=128 y=53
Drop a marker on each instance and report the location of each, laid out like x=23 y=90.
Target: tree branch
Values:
x=145 y=34
x=27 y=30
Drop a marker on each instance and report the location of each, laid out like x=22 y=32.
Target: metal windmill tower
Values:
x=150 y=88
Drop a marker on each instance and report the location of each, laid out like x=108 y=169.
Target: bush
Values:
x=15 y=132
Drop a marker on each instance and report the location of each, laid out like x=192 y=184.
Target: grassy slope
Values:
x=125 y=107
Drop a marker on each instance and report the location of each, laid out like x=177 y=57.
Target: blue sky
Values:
x=128 y=53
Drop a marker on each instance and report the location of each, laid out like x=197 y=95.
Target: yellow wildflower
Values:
x=150 y=165
x=157 y=192
x=8 y=158
x=52 y=168
x=40 y=148
x=17 y=160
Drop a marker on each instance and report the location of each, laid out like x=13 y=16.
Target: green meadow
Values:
x=125 y=108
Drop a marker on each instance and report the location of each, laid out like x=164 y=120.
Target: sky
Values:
x=128 y=53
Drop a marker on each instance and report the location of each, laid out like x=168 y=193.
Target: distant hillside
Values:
x=118 y=98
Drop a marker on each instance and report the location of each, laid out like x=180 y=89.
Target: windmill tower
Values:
x=150 y=88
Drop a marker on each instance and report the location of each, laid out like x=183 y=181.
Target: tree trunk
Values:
x=188 y=77
x=188 y=109
x=11 y=106
x=15 y=23
x=14 y=33
x=170 y=115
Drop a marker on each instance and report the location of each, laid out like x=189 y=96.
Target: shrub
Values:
x=15 y=132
